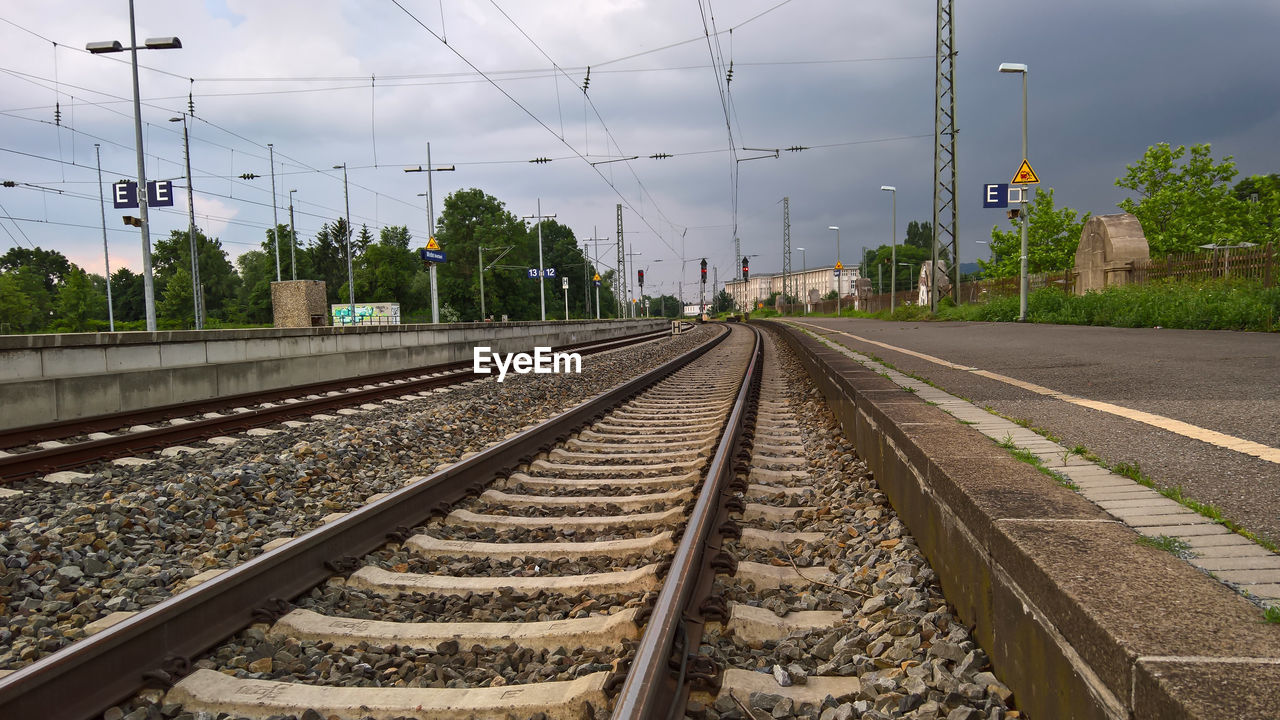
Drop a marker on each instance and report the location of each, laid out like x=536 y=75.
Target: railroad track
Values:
x=664 y=550
x=63 y=446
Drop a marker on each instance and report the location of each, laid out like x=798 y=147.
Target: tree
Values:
x=385 y=270
x=395 y=236
x=361 y=241
x=51 y=266
x=1052 y=239
x=1261 y=195
x=920 y=234
x=1183 y=205
x=17 y=312
x=175 y=307
x=328 y=258
x=469 y=220
x=127 y=298
x=257 y=270
x=722 y=302
x=218 y=279
x=80 y=306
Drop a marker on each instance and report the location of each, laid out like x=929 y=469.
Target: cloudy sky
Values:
x=369 y=83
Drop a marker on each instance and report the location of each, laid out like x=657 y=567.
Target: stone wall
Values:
x=1109 y=245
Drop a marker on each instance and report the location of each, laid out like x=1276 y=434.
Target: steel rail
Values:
x=22 y=465
x=651 y=692
x=59 y=429
x=77 y=682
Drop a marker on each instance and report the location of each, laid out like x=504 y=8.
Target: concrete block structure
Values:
x=44 y=378
x=299 y=303
x=1109 y=245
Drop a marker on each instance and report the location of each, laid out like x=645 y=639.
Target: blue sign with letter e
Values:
x=995 y=195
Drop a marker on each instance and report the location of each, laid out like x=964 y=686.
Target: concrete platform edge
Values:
x=1052 y=629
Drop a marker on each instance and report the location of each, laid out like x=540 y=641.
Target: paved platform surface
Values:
x=1210 y=394
x=1232 y=558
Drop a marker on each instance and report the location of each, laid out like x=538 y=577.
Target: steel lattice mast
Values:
x=944 y=150
x=786 y=246
x=624 y=299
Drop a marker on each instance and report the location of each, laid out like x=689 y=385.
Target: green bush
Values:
x=1207 y=305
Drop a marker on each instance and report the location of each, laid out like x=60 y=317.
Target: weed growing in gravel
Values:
x=909 y=389
x=1007 y=442
x=1169 y=544
x=1061 y=479
x=930 y=402
x=967 y=422
x=1272 y=614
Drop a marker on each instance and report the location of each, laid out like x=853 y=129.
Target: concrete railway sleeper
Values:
x=79 y=679
x=547 y=629
x=645 y=564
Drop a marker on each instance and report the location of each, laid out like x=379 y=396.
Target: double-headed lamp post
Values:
x=1021 y=69
x=893 y=244
x=113 y=46
x=431 y=229
x=838 y=277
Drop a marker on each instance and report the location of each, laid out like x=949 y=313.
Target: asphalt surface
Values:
x=1221 y=381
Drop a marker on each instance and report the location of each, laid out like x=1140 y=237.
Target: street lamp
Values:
x=893 y=252
x=196 y=299
x=114 y=46
x=1021 y=69
x=293 y=240
x=838 y=278
x=431 y=229
x=351 y=276
x=908 y=266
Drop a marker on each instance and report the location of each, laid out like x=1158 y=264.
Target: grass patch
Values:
x=1007 y=442
x=930 y=402
x=1134 y=472
x=1272 y=614
x=966 y=422
x=1168 y=544
x=1217 y=304
x=909 y=389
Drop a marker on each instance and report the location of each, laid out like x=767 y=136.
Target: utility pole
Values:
x=542 y=270
x=622 y=267
x=593 y=244
x=275 y=218
x=197 y=291
x=944 y=149
x=431 y=230
x=786 y=246
x=293 y=240
x=106 y=256
x=351 y=279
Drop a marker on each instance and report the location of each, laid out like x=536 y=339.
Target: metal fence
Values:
x=1255 y=263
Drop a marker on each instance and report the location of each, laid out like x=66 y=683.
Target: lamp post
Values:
x=542 y=271
x=837 y=229
x=893 y=252
x=293 y=241
x=351 y=277
x=804 y=263
x=196 y=299
x=908 y=266
x=431 y=230
x=113 y=46
x=1021 y=69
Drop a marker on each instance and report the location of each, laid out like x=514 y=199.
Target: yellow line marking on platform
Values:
x=1212 y=437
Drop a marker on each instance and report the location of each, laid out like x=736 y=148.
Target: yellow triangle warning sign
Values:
x=597 y=277
x=432 y=244
x=1025 y=175
x=839 y=265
